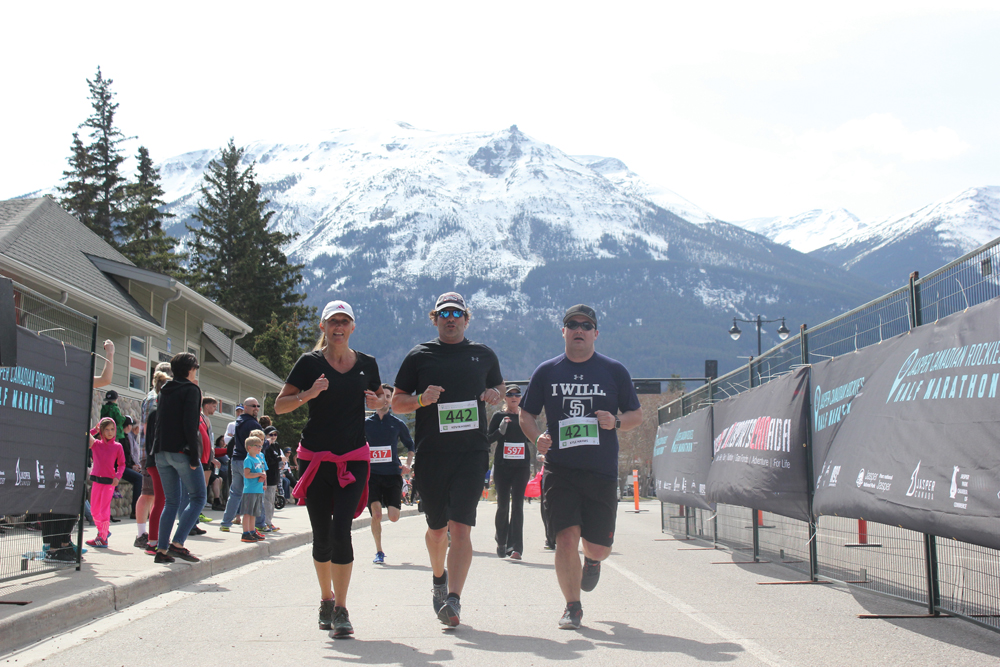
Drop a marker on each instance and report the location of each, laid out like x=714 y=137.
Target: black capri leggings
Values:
x=332 y=533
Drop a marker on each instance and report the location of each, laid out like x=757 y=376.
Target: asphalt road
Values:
x=658 y=602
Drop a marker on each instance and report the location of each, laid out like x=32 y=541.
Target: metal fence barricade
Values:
x=24 y=537
x=944 y=575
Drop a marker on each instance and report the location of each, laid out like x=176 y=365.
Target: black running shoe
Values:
x=342 y=628
x=449 y=612
x=182 y=553
x=142 y=541
x=326 y=608
x=591 y=574
x=572 y=617
x=163 y=558
x=60 y=556
x=440 y=593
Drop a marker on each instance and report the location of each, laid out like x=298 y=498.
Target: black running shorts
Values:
x=385 y=489
x=581 y=498
x=450 y=485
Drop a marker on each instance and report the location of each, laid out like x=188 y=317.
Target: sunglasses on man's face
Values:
x=453 y=312
x=573 y=325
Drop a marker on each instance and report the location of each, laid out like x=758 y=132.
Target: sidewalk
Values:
x=122 y=575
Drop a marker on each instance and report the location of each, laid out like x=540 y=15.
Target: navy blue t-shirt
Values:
x=383 y=435
x=571 y=392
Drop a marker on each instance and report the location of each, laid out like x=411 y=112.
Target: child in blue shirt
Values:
x=253 y=487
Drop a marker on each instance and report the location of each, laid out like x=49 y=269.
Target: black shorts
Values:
x=207 y=466
x=581 y=498
x=450 y=485
x=385 y=489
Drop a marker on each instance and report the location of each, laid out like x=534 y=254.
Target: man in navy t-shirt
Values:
x=385 y=482
x=587 y=398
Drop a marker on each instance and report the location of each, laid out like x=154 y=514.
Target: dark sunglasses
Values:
x=453 y=312
x=573 y=325
x=514 y=393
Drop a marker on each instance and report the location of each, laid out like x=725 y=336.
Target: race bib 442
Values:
x=462 y=416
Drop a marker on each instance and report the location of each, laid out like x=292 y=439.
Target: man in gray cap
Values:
x=448 y=382
x=587 y=398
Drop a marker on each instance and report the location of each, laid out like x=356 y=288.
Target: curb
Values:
x=60 y=615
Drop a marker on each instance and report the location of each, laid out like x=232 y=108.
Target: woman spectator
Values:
x=151 y=503
x=337 y=383
x=178 y=447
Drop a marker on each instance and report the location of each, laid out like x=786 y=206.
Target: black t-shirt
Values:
x=337 y=416
x=457 y=422
x=513 y=449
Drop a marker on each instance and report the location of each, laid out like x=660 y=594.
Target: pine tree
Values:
x=235 y=260
x=95 y=188
x=143 y=239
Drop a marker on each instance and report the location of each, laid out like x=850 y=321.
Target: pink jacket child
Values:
x=109 y=464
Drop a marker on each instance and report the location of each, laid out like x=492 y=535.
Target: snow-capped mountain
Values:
x=886 y=251
x=806 y=231
x=389 y=217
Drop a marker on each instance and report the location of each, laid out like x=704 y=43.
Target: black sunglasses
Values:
x=573 y=325
x=514 y=392
x=453 y=312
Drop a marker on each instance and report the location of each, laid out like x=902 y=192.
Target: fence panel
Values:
x=25 y=538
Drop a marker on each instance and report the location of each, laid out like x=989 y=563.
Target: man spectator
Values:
x=241 y=431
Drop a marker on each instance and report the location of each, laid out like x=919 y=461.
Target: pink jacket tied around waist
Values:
x=344 y=476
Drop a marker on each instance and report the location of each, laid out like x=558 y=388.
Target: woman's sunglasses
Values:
x=573 y=325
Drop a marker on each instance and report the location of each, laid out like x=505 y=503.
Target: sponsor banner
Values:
x=682 y=455
x=44 y=408
x=918 y=447
x=759 y=448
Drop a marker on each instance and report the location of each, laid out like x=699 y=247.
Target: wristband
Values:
x=536 y=440
x=299 y=396
x=420 y=402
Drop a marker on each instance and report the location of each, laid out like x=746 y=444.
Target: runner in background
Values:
x=385 y=485
x=512 y=460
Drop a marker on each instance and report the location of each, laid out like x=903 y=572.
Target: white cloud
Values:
x=884 y=134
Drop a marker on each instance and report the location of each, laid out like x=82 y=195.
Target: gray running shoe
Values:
x=450 y=612
x=326 y=614
x=342 y=628
x=440 y=592
x=591 y=574
x=571 y=618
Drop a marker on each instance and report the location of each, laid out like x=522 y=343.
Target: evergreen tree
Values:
x=95 y=188
x=144 y=241
x=235 y=260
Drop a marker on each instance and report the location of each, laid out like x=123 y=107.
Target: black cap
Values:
x=580 y=309
x=128 y=421
x=112 y=395
x=269 y=430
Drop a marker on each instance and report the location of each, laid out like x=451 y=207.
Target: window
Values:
x=138 y=346
x=194 y=351
x=136 y=381
x=227 y=408
x=163 y=356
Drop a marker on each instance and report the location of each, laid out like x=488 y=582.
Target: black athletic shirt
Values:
x=569 y=390
x=337 y=416
x=465 y=370
x=510 y=457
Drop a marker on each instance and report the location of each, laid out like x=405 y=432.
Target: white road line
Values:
x=702 y=618
x=117 y=619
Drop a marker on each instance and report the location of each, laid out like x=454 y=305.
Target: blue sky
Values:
x=746 y=109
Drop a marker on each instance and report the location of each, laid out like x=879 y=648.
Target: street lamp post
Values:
x=782 y=332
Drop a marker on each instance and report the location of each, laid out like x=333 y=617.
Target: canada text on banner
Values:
x=759 y=448
x=44 y=408
x=682 y=455
x=918 y=448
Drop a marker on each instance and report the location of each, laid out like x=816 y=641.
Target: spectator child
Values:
x=109 y=463
x=110 y=409
x=253 y=487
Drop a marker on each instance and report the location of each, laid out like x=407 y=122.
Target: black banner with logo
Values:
x=44 y=410
x=918 y=448
x=759 y=448
x=682 y=455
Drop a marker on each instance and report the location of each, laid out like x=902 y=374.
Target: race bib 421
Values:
x=578 y=431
